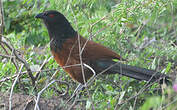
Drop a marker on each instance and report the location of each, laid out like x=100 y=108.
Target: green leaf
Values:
x=152 y=102
x=168 y=67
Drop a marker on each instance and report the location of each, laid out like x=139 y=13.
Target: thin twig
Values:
x=42 y=66
x=1 y=20
x=39 y=94
x=13 y=85
x=147 y=85
x=175 y=100
x=72 y=105
x=27 y=66
x=8 y=78
x=7 y=56
x=80 y=53
x=64 y=83
x=46 y=70
x=13 y=59
x=134 y=103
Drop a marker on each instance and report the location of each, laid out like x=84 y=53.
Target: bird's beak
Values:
x=40 y=15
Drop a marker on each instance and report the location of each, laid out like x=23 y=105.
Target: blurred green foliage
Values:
x=142 y=31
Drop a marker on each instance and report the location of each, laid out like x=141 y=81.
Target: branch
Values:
x=39 y=94
x=20 y=59
x=13 y=85
x=1 y=20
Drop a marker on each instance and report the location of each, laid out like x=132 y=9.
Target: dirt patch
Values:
x=27 y=102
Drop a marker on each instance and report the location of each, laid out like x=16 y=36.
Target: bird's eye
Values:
x=45 y=14
x=51 y=15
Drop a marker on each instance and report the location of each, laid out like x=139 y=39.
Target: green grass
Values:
x=143 y=32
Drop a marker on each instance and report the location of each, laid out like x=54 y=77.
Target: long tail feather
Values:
x=132 y=71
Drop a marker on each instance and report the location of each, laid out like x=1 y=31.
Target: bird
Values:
x=82 y=58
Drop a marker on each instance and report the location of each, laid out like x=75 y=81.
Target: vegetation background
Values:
x=142 y=31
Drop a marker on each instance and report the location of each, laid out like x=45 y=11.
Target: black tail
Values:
x=133 y=72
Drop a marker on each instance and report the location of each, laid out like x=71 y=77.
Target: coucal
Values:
x=70 y=52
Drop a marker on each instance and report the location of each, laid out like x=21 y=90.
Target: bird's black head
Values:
x=52 y=17
x=57 y=25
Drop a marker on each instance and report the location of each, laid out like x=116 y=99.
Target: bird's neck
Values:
x=59 y=34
